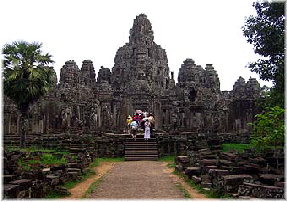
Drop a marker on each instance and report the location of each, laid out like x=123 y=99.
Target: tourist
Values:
x=128 y=121
x=147 y=130
x=142 y=123
x=134 y=127
x=136 y=118
x=152 y=122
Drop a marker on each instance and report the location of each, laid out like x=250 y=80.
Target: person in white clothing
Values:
x=147 y=130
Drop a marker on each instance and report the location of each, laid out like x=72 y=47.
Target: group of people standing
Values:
x=143 y=120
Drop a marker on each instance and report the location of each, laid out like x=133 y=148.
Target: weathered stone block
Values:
x=23 y=182
x=231 y=182
x=54 y=179
x=217 y=172
x=11 y=190
x=62 y=190
x=74 y=170
x=260 y=191
x=226 y=163
x=179 y=168
x=72 y=175
x=280 y=184
x=58 y=167
x=196 y=179
x=208 y=162
x=8 y=178
x=270 y=179
x=192 y=171
x=206 y=184
x=251 y=168
x=182 y=159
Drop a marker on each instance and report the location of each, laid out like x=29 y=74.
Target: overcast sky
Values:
x=207 y=31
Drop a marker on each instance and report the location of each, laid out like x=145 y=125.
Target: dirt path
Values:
x=135 y=180
x=141 y=180
x=79 y=190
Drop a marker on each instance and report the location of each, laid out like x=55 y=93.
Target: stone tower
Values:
x=141 y=61
x=88 y=73
x=70 y=74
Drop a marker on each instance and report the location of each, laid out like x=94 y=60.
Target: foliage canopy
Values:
x=268 y=129
x=26 y=74
x=266 y=32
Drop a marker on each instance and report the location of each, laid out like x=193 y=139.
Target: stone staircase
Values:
x=140 y=149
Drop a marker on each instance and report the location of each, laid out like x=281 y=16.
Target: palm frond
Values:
x=26 y=74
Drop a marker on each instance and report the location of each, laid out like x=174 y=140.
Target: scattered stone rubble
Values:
x=139 y=79
x=242 y=175
x=39 y=180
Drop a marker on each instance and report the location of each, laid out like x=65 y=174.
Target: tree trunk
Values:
x=23 y=125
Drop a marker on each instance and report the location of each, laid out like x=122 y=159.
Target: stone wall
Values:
x=183 y=143
x=112 y=145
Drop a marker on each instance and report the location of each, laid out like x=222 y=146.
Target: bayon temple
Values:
x=140 y=79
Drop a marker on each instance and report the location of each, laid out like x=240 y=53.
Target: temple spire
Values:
x=141 y=33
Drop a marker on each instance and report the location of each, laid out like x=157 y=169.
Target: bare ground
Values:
x=141 y=180
x=135 y=180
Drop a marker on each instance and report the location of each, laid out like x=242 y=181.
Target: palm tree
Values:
x=26 y=77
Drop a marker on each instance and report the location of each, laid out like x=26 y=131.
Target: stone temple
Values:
x=140 y=79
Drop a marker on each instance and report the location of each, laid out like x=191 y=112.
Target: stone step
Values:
x=140 y=139
x=134 y=158
x=142 y=156
x=141 y=152
x=140 y=143
x=140 y=148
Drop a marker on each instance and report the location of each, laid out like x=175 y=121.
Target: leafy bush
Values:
x=268 y=129
x=237 y=147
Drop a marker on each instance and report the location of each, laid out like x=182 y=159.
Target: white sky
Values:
x=207 y=31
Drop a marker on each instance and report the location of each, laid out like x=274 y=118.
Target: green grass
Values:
x=48 y=159
x=55 y=195
x=181 y=188
x=237 y=147
x=43 y=159
x=97 y=161
x=89 y=172
x=169 y=159
x=207 y=193
x=36 y=149
x=92 y=188
x=39 y=156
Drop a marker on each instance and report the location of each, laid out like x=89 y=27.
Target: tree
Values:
x=266 y=33
x=26 y=77
x=268 y=129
